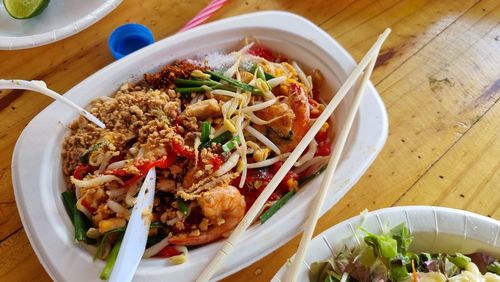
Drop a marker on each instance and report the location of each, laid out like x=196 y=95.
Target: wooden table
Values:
x=438 y=74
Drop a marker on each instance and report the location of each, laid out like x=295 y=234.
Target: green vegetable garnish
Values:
x=459 y=260
x=152 y=240
x=397 y=269
x=183 y=206
x=110 y=262
x=205 y=131
x=195 y=82
x=260 y=74
x=231 y=144
x=330 y=278
x=383 y=245
x=220 y=139
x=494 y=268
x=402 y=235
x=85 y=157
x=203 y=88
x=69 y=201
x=232 y=81
x=266 y=75
x=306 y=179
x=105 y=236
x=276 y=206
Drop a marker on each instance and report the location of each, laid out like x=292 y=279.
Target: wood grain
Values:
x=438 y=74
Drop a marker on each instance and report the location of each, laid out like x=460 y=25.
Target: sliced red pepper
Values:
x=80 y=171
x=163 y=163
x=87 y=205
x=217 y=162
x=321 y=136
x=182 y=150
x=324 y=148
x=168 y=251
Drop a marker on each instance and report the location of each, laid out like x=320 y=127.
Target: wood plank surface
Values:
x=438 y=74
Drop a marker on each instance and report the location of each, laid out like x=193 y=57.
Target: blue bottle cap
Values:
x=129 y=38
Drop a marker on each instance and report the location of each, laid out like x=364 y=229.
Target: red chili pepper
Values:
x=163 y=163
x=217 y=162
x=87 y=205
x=168 y=251
x=324 y=148
x=321 y=136
x=261 y=51
x=182 y=150
x=80 y=171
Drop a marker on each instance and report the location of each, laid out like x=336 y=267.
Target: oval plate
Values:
x=434 y=229
x=37 y=152
x=62 y=18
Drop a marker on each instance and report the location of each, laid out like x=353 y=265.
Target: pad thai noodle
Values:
x=216 y=127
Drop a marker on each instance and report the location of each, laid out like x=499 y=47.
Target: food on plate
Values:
x=387 y=257
x=216 y=127
x=25 y=9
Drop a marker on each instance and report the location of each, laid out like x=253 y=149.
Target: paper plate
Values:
x=434 y=229
x=38 y=179
x=62 y=18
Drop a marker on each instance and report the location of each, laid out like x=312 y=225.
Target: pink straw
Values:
x=204 y=14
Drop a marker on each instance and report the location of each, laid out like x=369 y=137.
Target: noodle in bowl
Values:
x=367 y=138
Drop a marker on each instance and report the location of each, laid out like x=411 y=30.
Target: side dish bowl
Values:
x=38 y=150
x=434 y=229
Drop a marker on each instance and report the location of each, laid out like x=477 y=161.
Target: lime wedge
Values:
x=25 y=9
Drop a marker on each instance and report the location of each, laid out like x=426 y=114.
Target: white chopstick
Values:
x=314 y=212
x=247 y=220
x=40 y=87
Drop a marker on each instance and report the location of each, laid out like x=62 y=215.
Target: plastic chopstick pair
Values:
x=247 y=220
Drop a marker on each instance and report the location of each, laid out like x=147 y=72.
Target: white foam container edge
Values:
x=434 y=229
x=37 y=152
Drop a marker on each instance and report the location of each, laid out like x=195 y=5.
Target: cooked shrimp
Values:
x=224 y=207
x=294 y=123
x=299 y=102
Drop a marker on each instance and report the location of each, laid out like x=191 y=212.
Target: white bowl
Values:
x=62 y=18
x=37 y=152
x=434 y=229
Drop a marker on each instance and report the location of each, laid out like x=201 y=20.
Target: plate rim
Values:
x=40 y=39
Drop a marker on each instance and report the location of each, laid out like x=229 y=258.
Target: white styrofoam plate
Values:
x=434 y=229
x=37 y=152
x=61 y=18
